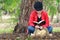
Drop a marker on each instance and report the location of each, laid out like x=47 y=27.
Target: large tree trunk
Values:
x=25 y=7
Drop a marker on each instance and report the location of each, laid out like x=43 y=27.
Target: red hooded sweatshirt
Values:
x=33 y=17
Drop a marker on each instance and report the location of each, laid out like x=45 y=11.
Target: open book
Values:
x=42 y=22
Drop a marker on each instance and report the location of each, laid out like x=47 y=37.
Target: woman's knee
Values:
x=31 y=29
x=50 y=28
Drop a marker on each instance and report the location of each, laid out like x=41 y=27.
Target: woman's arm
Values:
x=46 y=20
x=31 y=19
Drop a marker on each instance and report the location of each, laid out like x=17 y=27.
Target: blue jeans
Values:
x=31 y=29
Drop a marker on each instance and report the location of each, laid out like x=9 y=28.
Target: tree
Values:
x=58 y=9
x=50 y=5
x=25 y=8
x=10 y=6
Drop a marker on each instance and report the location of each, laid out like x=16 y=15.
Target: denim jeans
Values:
x=31 y=29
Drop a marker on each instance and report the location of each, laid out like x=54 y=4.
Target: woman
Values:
x=37 y=15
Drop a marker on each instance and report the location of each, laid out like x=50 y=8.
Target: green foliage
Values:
x=57 y=1
x=11 y=6
x=53 y=10
x=50 y=4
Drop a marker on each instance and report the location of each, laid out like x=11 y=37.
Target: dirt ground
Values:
x=8 y=36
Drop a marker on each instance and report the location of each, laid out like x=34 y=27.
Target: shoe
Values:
x=50 y=34
x=32 y=35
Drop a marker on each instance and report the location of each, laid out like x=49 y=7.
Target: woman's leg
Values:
x=50 y=28
x=31 y=29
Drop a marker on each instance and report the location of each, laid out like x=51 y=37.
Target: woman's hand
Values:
x=44 y=27
x=37 y=26
x=41 y=27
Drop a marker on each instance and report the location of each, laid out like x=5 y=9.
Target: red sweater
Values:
x=33 y=17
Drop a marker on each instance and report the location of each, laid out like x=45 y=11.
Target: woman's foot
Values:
x=50 y=34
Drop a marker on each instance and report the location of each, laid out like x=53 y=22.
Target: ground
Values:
x=7 y=26
x=9 y=36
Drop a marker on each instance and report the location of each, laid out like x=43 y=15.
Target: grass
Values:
x=10 y=30
x=9 y=27
x=56 y=29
